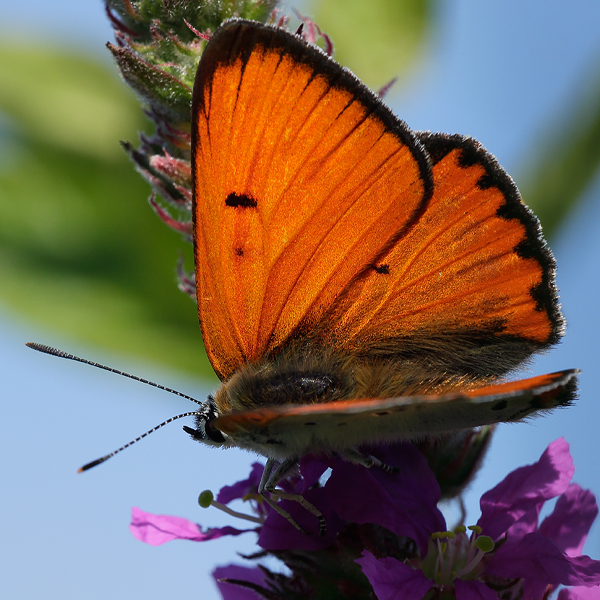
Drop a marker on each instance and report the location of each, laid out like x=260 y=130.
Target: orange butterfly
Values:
x=357 y=282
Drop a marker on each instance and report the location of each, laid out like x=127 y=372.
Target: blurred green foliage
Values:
x=377 y=40
x=81 y=251
x=567 y=159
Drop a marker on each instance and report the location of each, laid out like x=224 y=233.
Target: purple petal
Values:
x=528 y=523
x=536 y=590
x=241 y=488
x=523 y=489
x=159 y=529
x=573 y=515
x=579 y=593
x=414 y=470
x=231 y=591
x=311 y=470
x=473 y=590
x=405 y=503
x=392 y=579
x=537 y=558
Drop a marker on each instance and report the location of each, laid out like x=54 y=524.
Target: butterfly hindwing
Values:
x=470 y=287
x=301 y=177
x=346 y=424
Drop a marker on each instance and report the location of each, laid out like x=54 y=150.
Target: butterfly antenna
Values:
x=61 y=354
x=98 y=461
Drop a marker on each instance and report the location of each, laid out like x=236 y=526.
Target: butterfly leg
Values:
x=384 y=466
x=262 y=489
x=270 y=479
x=367 y=460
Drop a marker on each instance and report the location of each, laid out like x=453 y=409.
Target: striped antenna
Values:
x=98 y=461
x=61 y=354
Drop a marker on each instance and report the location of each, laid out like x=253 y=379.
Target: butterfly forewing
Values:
x=301 y=178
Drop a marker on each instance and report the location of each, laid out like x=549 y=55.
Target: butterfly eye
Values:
x=212 y=433
x=205 y=432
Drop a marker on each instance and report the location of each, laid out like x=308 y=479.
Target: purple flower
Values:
x=403 y=502
x=515 y=554
x=521 y=495
x=389 y=524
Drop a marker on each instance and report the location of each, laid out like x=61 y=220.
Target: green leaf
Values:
x=81 y=251
x=377 y=40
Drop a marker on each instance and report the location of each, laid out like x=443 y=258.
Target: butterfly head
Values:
x=205 y=431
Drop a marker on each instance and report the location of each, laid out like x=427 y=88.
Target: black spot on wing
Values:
x=240 y=201
x=382 y=269
x=239 y=39
x=521 y=414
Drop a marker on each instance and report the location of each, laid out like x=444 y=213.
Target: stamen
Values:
x=206 y=499
x=484 y=544
x=457 y=555
x=441 y=557
x=436 y=569
x=451 y=551
x=472 y=550
x=470 y=566
x=443 y=566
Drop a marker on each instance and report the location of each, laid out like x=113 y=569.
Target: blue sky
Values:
x=502 y=72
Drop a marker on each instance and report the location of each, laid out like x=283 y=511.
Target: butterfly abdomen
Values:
x=289 y=387
x=297 y=376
